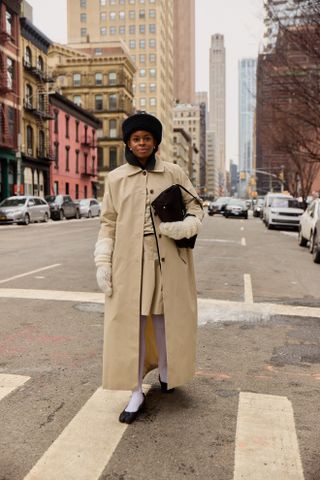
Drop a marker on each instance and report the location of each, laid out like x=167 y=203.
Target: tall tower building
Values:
x=147 y=29
x=184 y=51
x=247 y=106
x=217 y=103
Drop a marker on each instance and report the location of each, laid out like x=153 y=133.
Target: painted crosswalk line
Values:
x=85 y=446
x=266 y=442
x=8 y=383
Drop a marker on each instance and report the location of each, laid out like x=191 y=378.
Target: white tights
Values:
x=160 y=334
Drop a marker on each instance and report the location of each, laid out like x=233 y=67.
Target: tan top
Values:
x=148 y=228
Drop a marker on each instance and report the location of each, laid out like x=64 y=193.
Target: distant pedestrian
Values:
x=151 y=302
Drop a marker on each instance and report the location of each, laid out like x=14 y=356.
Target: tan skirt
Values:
x=151 y=281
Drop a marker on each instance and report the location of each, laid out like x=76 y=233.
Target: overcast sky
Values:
x=241 y=22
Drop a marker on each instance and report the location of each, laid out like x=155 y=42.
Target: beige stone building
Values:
x=184 y=51
x=187 y=116
x=146 y=27
x=182 y=149
x=99 y=79
x=212 y=177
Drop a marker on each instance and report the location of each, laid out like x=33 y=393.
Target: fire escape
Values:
x=5 y=138
x=87 y=143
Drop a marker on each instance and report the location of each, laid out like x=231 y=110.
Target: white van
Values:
x=281 y=210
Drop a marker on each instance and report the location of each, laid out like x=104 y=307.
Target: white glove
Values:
x=104 y=279
x=103 y=261
x=187 y=228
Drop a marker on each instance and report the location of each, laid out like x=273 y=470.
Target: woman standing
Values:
x=151 y=302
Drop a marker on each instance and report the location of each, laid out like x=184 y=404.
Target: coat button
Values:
x=144 y=172
x=162 y=259
x=151 y=191
x=160 y=235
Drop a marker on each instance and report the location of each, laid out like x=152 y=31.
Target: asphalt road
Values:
x=191 y=433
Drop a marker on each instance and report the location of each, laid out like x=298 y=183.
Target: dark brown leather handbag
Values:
x=169 y=207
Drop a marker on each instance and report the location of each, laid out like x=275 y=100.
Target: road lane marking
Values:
x=85 y=446
x=266 y=441
x=243 y=242
x=210 y=310
x=248 y=295
x=8 y=383
x=30 y=273
x=242 y=228
x=218 y=240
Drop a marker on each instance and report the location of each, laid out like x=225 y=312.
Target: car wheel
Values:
x=62 y=215
x=77 y=214
x=302 y=242
x=89 y=214
x=210 y=214
x=26 y=219
x=46 y=218
x=269 y=226
x=246 y=217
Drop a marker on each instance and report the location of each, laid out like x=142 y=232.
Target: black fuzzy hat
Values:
x=142 y=121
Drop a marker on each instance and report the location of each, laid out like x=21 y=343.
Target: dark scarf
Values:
x=132 y=159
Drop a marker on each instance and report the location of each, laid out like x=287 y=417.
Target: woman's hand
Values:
x=187 y=228
x=103 y=261
x=104 y=278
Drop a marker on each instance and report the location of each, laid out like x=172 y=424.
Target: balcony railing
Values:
x=42 y=113
x=88 y=142
x=37 y=72
x=89 y=173
x=45 y=154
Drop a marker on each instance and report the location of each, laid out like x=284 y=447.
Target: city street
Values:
x=254 y=400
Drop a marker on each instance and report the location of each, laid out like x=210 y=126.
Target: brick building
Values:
x=73 y=134
x=10 y=105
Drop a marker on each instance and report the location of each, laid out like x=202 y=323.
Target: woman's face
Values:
x=142 y=144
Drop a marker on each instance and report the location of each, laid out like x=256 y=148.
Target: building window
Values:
x=142 y=14
x=77 y=131
x=77 y=100
x=143 y=102
x=152 y=13
x=122 y=30
x=76 y=79
x=112 y=78
x=56 y=154
x=77 y=191
x=152 y=102
x=98 y=102
x=41 y=144
x=83 y=3
x=100 y=158
x=85 y=162
x=56 y=121
x=152 y=57
x=132 y=44
x=67 y=126
x=152 y=28
x=9 y=22
x=112 y=128
x=132 y=2
x=152 y=87
x=122 y=15
x=152 y=72
x=112 y=102
x=77 y=161
x=83 y=32
x=103 y=31
x=67 y=158
x=132 y=14
x=142 y=28
x=29 y=96
x=142 y=58
x=85 y=191
x=67 y=188
x=56 y=187
x=142 y=72
x=86 y=134
x=132 y=29
x=10 y=73
x=83 y=17
x=98 y=78
x=142 y=87
x=98 y=52
x=112 y=15
x=103 y=16
x=103 y=3
x=28 y=57
x=29 y=140
x=40 y=63
x=113 y=31
x=152 y=43
x=112 y=158
x=142 y=43
x=11 y=123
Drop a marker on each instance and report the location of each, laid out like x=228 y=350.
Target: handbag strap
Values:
x=186 y=190
x=155 y=234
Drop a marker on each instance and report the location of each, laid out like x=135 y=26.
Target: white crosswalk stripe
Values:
x=8 y=383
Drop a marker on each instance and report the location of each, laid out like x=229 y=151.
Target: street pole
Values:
x=18 y=157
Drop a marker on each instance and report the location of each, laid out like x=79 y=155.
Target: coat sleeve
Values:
x=193 y=207
x=108 y=219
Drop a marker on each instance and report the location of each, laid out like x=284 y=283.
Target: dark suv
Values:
x=62 y=206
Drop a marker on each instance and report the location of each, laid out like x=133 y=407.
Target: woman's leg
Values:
x=137 y=395
x=160 y=333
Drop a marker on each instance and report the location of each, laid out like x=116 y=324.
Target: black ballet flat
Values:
x=164 y=387
x=130 y=417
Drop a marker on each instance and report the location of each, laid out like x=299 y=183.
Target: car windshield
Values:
x=13 y=202
x=222 y=200
x=285 y=203
x=84 y=202
x=235 y=201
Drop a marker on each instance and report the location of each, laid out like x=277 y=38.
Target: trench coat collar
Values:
x=134 y=169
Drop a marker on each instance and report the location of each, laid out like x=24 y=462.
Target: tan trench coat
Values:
x=122 y=219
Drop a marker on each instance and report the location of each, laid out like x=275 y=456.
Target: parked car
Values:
x=236 y=208
x=24 y=209
x=258 y=207
x=89 y=207
x=281 y=210
x=307 y=224
x=62 y=206
x=218 y=205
